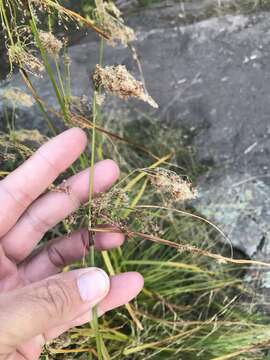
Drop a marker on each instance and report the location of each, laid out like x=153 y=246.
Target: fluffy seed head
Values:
x=118 y=81
x=17 y=97
x=39 y=4
x=172 y=184
x=50 y=43
x=100 y=99
x=108 y=207
x=33 y=136
x=19 y=56
x=108 y=18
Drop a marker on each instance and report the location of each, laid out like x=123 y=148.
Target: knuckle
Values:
x=57 y=297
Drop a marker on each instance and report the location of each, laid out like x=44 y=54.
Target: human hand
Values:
x=36 y=304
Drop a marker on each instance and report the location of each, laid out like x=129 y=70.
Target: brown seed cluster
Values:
x=52 y=45
x=25 y=59
x=108 y=207
x=111 y=200
x=118 y=81
x=33 y=136
x=172 y=184
x=17 y=97
x=78 y=106
x=100 y=98
x=108 y=17
x=40 y=4
x=20 y=143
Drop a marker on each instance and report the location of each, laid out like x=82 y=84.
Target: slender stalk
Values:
x=47 y=65
x=23 y=73
x=91 y=180
x=67 y=76
x=5 y=21
x=94 y=323
x=38 y=100
x=58 y=72
x=100 y=135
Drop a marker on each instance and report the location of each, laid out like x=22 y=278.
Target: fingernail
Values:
x=93 y=285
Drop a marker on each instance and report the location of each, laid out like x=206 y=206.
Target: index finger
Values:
x=19 y=189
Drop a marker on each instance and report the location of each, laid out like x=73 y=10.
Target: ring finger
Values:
x=51 y=258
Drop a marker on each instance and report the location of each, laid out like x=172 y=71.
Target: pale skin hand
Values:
x=37 y=301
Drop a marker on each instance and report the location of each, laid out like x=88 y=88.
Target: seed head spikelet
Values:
x=118 y=81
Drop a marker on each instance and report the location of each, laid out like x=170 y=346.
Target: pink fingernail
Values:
x=93 y=285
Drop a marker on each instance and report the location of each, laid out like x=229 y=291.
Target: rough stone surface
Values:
x=213 y=78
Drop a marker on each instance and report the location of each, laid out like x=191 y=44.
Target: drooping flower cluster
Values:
x=25 y=59
x=118 y=81
x=33 y=136
x=17 y=97
x=19 y=144
x=108 y=206
x=52 y=45
x=108 y=17
x=169 y=183
x=40 y=4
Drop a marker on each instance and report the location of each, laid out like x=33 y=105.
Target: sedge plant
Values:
x=195 y=303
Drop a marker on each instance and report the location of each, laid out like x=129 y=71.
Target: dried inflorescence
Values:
x=17 y=97
x=60 y=342
x=171 y=184
x=118 y=81
x=108 y=17
x=20 y=143
x=109 y=206
x=52 y=45
x=40 y=4
x=79 y=106
x=25 y=59
x=5 y=156
x=33 y=136
x=100 y=98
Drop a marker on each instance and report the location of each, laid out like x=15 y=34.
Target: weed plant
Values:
x=195 y=304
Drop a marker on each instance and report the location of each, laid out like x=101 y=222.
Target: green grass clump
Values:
x=195 y=304
x=191 y=306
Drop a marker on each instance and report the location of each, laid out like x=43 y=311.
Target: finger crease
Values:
x=23 y=356
x=55 y=257
x=22 y=199
x=55 y=169
x=39 y=225
x=23 y=275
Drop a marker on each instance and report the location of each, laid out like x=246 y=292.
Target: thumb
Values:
x=35 y=308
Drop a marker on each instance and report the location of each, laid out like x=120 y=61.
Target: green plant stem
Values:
x=47 y=65
x=5 y=21
x=67 y=76
x=100 y=136
x=91 y=179
x=60 y=79
x=39 y=102
x=94 y=323
x=26 y=78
